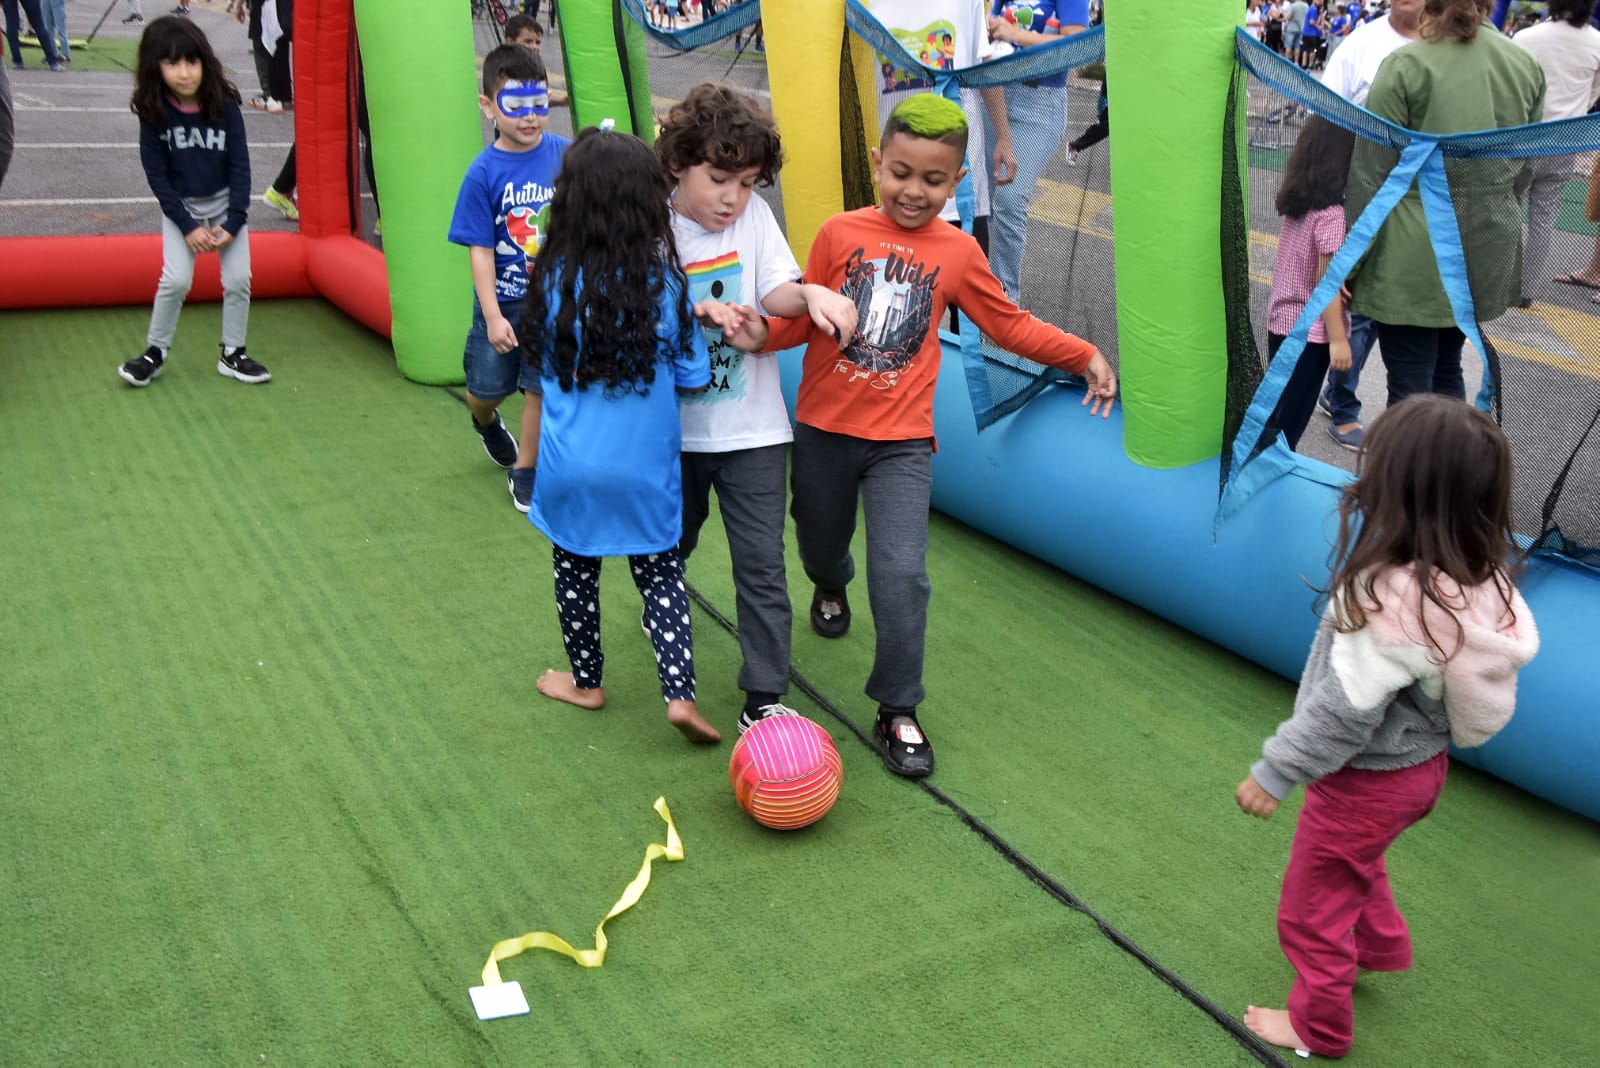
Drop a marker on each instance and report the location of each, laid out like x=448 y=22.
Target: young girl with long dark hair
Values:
x=1311 y=201
x=1418 y=648
x=191 y=142
x=615 y=340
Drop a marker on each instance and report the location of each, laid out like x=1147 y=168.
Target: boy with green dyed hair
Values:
x=864 y=417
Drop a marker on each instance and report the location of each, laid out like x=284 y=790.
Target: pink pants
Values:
x=1336 y=912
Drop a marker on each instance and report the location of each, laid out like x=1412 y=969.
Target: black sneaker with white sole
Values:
x=751 y=716
x=143 y=368
x=238 y=364
x=497 y=441
x=906 y=750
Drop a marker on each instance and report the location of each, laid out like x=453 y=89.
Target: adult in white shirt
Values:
x=1349 y=73
x=1568 y=49
x=947 y=35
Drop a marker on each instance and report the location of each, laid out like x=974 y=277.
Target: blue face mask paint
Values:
x=518 y=100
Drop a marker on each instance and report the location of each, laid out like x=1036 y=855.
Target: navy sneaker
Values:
x=238 y=364
x=906 y=750
x=520 y=479
x=751 y=716
x=1350 y=439
x=830 y=613
x=143 y=368
x=497 y=441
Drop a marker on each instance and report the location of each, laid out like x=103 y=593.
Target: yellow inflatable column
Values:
x=803 y=46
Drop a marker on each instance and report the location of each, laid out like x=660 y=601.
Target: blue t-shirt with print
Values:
x=1312 y=29
x=1036 y=15
x=504 y=205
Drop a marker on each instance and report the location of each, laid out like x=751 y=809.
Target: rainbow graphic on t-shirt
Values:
x=720 y=279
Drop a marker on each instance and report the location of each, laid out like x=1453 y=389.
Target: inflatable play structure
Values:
x=1131 y=505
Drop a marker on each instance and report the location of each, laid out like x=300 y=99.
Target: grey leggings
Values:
x=177 y=274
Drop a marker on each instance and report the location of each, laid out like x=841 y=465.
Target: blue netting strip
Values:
x=1561 y=138
x=723 y=24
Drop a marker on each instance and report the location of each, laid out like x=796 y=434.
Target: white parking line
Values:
x=89 y=202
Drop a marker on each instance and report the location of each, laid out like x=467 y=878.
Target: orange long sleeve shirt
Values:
x=879 y=383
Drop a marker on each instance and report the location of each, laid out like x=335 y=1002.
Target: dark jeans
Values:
x=1422 y=359
x=1300 y=394
x=14 y=30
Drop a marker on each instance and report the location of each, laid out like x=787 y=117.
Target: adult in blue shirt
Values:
x=1036 y=111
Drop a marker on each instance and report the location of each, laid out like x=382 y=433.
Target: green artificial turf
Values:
x=277 y=777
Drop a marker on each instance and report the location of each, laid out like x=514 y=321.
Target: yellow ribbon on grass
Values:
x=590 y=958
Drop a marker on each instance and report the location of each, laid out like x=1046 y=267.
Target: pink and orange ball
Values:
x=786 y=772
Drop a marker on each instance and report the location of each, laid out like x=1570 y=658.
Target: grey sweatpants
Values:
x=177 y=274
x=894 y=480
x=750 y=495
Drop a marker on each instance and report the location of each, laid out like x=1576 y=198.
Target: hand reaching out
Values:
x=741 y=325
x=832 y=311
x=1102 y=391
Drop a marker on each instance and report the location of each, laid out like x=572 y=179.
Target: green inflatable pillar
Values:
x=1168 y=68
x=607 y=72
x=422 y=99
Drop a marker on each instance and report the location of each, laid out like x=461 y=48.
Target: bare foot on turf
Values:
x=684 y=716
x=561 y=686
x=1273 y=1025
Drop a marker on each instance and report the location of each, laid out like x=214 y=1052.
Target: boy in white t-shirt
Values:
x=717 y=144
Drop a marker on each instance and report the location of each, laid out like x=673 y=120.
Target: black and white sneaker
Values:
x=750 y=717
x=497 y=441
x=133 y=20
x=239 y=365
x=520 y=481
x=143 y=368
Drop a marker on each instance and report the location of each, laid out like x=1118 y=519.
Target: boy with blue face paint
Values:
x=501 y=215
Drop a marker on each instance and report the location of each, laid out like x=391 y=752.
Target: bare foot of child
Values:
x=561 y=686
x=1273 y=1025
x=684 y=716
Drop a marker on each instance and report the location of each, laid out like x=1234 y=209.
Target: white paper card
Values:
x=493 y=1002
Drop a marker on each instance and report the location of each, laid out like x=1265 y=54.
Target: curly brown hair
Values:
x=718 y=125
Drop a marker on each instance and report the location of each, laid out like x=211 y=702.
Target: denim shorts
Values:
x=491 y=375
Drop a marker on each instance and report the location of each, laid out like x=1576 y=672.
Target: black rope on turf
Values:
x=1243 y=1035
x=1247 y=1038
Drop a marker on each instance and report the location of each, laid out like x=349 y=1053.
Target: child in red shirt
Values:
x=864 y=418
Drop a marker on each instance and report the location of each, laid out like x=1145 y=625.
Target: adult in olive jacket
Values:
x=1460 y=75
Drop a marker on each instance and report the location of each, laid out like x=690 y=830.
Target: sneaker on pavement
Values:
x=274 y=107
x=830 y=613
x=520 y=480
x=1323 y=406
x=751 y=716
x=133 y=20
x=181 y=10
x=906 y=750
x=143 y=368
x=283 y=203
x=238 y=364
x=1350 y=439
x=497 y=441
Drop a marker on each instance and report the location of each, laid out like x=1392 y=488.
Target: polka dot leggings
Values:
x=659 y=578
